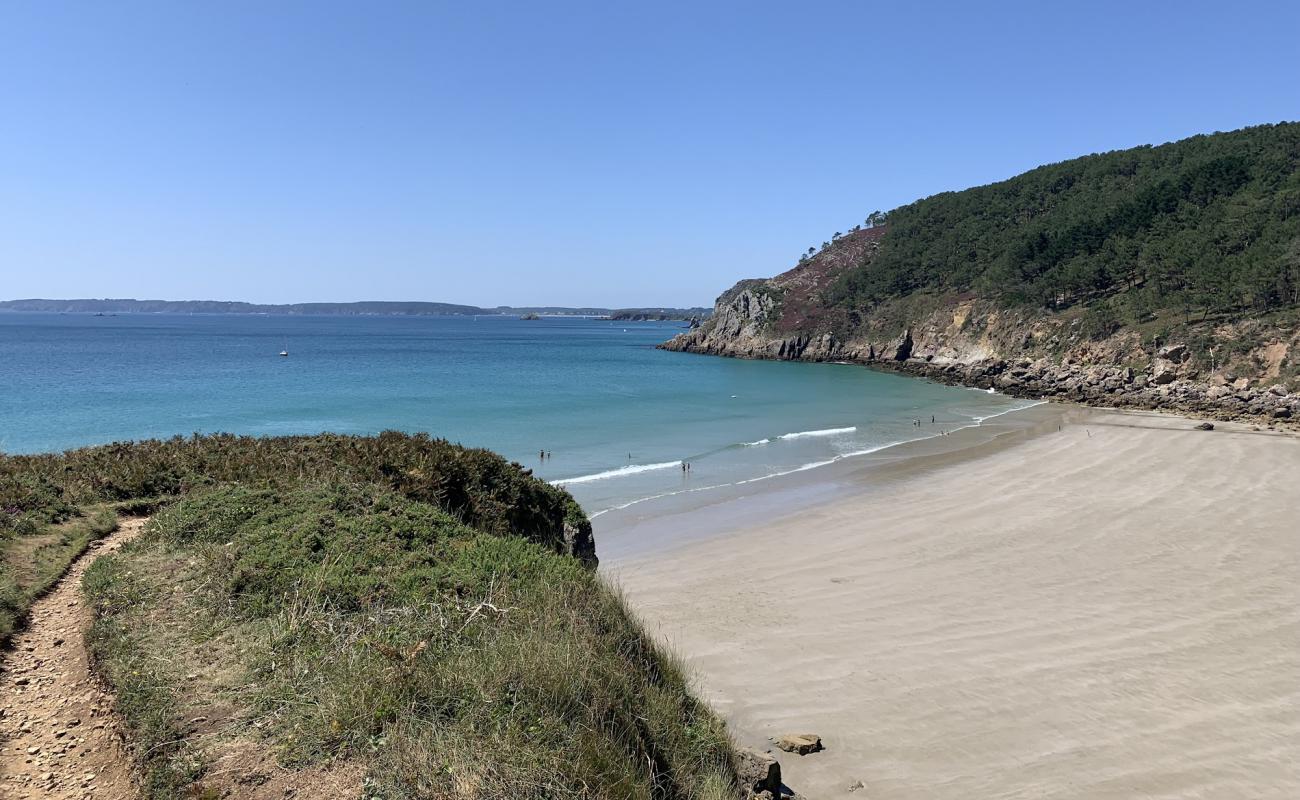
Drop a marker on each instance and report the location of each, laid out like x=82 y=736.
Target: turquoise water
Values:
x=618 y=416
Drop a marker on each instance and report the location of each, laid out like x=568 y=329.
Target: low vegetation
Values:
x=31 y=563
x=395 y=615
x=476 y=486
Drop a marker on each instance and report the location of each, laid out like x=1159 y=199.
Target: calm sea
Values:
x=618 y=416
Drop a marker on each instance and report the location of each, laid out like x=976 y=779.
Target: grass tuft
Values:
x=32 y=559
x=367 y=627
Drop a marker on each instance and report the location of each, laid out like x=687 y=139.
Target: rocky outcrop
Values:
x=1223 y=371
x=1117 y=387
x=579 y=541
x=759 y=774
x=800 y=743
x=1167 y=364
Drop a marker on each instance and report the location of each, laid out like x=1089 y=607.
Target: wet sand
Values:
x=1111 y=610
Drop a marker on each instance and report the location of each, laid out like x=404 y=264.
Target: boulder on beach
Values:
x=1205 y=426
x=758 y=772
x=800 y=743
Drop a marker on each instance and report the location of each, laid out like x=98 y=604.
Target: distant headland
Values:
x=361 y=308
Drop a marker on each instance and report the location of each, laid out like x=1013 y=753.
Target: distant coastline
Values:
x=360 y=308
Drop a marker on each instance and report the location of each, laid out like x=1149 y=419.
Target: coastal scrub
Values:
x=396 y=615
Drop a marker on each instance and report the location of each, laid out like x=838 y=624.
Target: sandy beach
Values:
x=1096 y=605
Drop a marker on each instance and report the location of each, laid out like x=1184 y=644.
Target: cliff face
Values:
x=1223 y=370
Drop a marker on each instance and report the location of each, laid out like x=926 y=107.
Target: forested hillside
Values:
x=1208 y=224
x=1156 y=276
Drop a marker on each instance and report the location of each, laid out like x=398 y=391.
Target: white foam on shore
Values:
x=617 y=473
x=975 y=423
x=800 y=468
x=825 y=432
x=639 y=500
x=756 y=444
x=816 y=464
x=979 y=419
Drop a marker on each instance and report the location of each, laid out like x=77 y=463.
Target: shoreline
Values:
x=1174 y=387
x=651 y=524
x=1103 y=610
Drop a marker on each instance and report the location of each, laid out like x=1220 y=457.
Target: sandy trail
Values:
x=58 y=737
x=1111 y=611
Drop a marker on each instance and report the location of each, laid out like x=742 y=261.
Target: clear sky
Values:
x=604 y=153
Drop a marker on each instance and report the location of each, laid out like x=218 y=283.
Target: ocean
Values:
x=618 y=417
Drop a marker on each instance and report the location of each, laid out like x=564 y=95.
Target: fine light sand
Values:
x=1107 y=611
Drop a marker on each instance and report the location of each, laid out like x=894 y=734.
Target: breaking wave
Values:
x=825 y=432
x=617 y=473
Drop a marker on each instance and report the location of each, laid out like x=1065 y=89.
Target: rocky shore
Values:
x=1225 y=371
x=1120 y=387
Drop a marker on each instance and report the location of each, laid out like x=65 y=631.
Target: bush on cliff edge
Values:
x=346 y=626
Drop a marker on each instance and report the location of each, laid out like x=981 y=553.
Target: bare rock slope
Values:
x=1236 y=369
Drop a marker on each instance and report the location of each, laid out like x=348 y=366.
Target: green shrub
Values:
x=452 y=661
x=1099 y=321
x=31 y=561
x=1208 y=223
x=476 y=486
x=145 y=687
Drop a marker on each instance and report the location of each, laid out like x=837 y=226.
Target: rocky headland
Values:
x=1159 y=277
x=971 y=342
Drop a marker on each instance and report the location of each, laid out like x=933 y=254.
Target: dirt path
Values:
x=58 y=739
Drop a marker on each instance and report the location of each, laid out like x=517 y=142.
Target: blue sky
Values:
x=601 y=153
